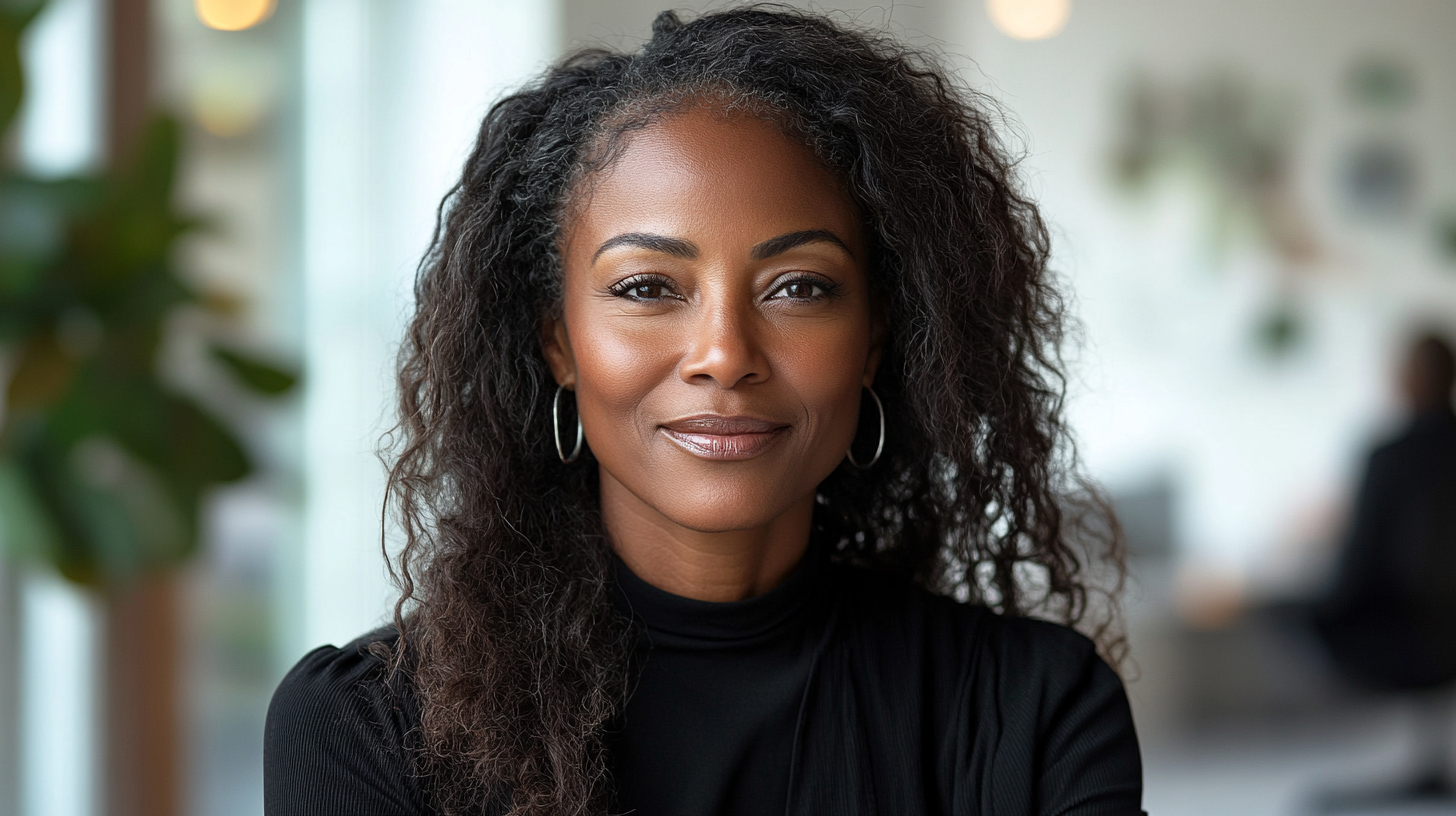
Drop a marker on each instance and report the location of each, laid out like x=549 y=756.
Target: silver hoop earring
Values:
x=556 y=429
x=849 y=454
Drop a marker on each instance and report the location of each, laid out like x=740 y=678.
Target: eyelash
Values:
x=624 y=289
x=827 y=287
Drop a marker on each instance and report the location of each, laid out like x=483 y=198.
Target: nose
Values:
x=724 y=348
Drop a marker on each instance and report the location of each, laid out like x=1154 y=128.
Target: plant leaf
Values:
x=25 y=530
x=55 y=493
x=200 y=451
x=149 y=179
x=260 y=377
x=42 y=375
x=14 y=17
x=133 y=521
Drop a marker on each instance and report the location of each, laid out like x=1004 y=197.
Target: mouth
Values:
x=723 y=438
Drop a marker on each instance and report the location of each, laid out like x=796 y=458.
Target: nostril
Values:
x=724 y=351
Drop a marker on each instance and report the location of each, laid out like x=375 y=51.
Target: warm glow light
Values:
x=233 y=93
x=228 y=103
x=1029 y=19
x=234 y=15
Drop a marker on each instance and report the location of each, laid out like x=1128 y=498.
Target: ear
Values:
x=556 y=345
x=877 y=347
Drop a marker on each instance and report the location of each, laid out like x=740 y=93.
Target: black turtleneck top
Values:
x=716 y=701
x=840 y=691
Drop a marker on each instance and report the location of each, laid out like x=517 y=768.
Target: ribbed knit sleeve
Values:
x=1064 y=722
x=336 y=739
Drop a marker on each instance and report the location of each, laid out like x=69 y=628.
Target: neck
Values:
x=727 y=565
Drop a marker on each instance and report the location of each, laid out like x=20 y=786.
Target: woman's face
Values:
x=717 y=326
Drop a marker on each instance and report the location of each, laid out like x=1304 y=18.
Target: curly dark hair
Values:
x=516 y=653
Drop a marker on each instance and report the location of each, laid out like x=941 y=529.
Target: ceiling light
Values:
x=234 y=15
x=1029 y=19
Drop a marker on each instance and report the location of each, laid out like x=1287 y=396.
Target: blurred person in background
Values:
x=780 y=276
x=1389 y=621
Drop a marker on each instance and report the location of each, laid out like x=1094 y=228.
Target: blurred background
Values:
x=210 y=216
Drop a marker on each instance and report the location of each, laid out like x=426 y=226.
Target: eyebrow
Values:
x=784 y=243
x=675 y=247
x=680 y=248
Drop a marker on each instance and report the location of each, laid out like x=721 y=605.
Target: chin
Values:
x=722 y=508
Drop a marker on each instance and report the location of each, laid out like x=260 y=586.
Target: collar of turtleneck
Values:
x=672 y=620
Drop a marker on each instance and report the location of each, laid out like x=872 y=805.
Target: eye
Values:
x=803 y=288
x=647 y=291
x=643 y=288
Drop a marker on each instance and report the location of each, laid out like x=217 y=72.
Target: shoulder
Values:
x=1394 y=448
x=1047 y=681
x=338 y=734
x=891 y=602
x=1012 y=663
x=1057 y=656
x=1425 y=435
x=1413 y=459
x=334 y=686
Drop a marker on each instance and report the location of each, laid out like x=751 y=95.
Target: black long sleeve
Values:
x=840 y=692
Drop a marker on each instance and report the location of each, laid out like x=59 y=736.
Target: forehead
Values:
x=705 y=172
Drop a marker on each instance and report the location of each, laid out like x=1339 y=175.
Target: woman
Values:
x=776 y=275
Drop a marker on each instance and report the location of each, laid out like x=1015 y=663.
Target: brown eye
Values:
x=801 y=289
x=643 y=289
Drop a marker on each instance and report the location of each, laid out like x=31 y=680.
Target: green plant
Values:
x=1225 y=137
x=103 y=463
x=1232 y=143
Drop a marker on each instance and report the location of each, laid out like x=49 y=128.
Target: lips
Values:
x=723 y=438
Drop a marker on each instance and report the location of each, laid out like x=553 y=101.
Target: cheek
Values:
x=619 y=362
x=825 y=366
